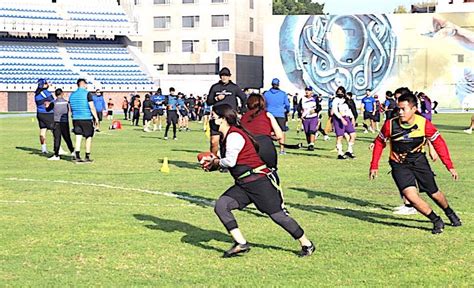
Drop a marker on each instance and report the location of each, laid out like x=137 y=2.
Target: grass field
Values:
x=120 y=222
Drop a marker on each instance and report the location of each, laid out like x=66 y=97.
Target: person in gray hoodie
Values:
x=60 y=109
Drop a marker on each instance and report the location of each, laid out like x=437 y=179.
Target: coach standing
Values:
x=84 y=117
x=224 y=92
x=278 y=105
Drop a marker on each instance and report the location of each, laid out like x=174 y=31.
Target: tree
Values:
x=400 y=9
x=297 y=7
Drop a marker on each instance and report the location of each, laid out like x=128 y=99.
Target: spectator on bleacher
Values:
x=99 y=104
x=125 y=107
x=60 y=108
x=110 y=109
x=137 y=104
x=45 y=118
x=84 y=117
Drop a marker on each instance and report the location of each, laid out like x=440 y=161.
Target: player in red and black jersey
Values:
x=407 y=135
x=254 y=183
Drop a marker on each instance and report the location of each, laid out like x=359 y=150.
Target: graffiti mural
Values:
x=425 y=52
x=354 y=51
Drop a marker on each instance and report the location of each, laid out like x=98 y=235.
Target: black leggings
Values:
x=125 y=113
x=62 y=129
x=265 y=197
x=136 y=117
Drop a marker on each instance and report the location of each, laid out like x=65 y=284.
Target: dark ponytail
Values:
x=230 y=115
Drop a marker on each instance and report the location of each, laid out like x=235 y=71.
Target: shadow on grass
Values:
x=208 y=202
x=358 y=202
x=195 y=236
x=309 y=153
x=34 y=151
x=444 y=127
x=365 y=216
x=183 y=164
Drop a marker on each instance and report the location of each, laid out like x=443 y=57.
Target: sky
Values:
x=364 y=6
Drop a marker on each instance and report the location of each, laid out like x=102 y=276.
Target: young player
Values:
x=172 y=107
x=343 y=122
x=147 y=113
x=309 y=116
x=368 y=110
x=408 y=134
x=110 y=109
x=45 y=118
x=252 y=183
x=158 y=110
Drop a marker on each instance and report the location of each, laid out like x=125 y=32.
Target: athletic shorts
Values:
x=214 y=128
x=99 y=116
x=207 y=113
x=184 y=113
x=310 y=125
x=368 y=115
x=261 y=192
x=416 y=173
x=147 y=115
x=110 y=112
x=45 y=120
x=156 y=113
x=83 y=127
x=340 y=129
x=377 y=117
x=282 y=123
x=172 y=117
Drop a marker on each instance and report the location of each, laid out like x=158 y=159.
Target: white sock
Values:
x=43 y=148
x=349 y=147
x=339 y=149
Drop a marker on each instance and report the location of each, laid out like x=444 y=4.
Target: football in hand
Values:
x=205 y=157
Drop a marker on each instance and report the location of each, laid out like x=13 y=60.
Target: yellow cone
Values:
x=165 y=168
x=32 y=119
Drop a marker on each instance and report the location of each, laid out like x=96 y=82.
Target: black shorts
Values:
x=214 y=128
x=368 y=115
x=416 y=173
x=83 y=127
x=172 y=117
x=110 y=112
x=147 y=115
x=157 y=113
x=261 y=192
x=207 y=113
x=377 y=117
x=99 y=116
x=282 y=123
x=184 y=113
x=45 y=120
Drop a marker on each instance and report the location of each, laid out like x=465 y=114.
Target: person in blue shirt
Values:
x=158 y=100
x=183 y=113
x=368 y=109
x=278 y=105
x=84 y=118
x=100 y=106
x=45 y=118
x=172 y=107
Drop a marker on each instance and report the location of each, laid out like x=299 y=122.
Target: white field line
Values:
x=166 y=194
x=89 y=204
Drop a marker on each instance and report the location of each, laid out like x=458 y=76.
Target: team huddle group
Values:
x=243 y=129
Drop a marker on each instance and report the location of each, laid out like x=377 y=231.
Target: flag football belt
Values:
x=263 y=170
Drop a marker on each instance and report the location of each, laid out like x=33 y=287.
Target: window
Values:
x=138 y=44
x=251 y=48
x=221 y=45
x=159 y=67
x=161 y=46
x=251 y=4
x=190 y=21
x=219 y=1
x=162 y=22
x=161 y=2
x=251 y=24
x=220 y=21
x=403 y=59
x=460 y=58
x=193 y=69
x=189 y=1
x=190 y=45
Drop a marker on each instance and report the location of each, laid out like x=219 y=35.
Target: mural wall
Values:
x=433 y=53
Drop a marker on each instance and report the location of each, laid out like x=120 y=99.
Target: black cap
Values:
x=224 y=71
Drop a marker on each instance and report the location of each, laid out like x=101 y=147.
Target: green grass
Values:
x=60 y=234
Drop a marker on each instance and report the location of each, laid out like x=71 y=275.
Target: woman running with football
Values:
x=253 y=183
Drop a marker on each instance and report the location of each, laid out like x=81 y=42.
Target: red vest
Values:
x=248 y=156
x=260 y=125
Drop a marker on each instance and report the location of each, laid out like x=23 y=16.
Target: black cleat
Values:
x=236 y=249
x=87 y=160
x=341 y=157
x=307 y=250
x=455 y=221
x=350 y=155
x=438 y=226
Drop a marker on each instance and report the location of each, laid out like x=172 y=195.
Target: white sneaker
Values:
x=468 y=131
x=398 y=207
x=326 y=138
x=54 y=158
x=147 y=130
x=365 y=131
x=406 y=211
x=166 y=138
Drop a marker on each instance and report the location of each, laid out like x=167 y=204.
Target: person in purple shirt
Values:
x=425 y=106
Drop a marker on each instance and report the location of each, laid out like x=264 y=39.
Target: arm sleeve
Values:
x=335 y=109
x=210 y=97
x=433 y=135
x=89 y=97
x=380 y=143
x=243 y=100
x=235 y=144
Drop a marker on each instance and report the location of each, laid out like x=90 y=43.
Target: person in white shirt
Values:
x=343 y=122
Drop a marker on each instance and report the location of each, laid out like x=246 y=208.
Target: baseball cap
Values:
x=41 y=82
x=224 y=71
x=308 y=88
x=275 y=81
